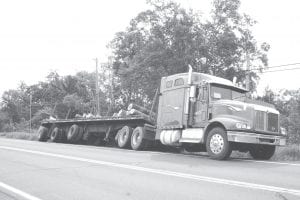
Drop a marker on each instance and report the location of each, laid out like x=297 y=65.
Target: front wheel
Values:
x=217 y=144
x=262 y=152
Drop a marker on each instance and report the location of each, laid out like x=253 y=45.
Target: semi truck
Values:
x=196 y=112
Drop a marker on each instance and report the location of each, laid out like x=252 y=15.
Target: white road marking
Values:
x=170 y=153
x=155 y=152
x=269 y=162
x=18 y=192
x=165 y=172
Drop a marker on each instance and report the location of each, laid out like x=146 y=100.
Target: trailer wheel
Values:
x=262 y=152
x=217 y=145
x=74 y=134
x=55 y=135
x=43 y=134
x=124 y=136
x=138 y=141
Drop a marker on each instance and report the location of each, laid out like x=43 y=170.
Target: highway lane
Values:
x=63 y=171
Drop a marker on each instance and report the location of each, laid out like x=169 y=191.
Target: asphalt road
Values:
x=49 y=171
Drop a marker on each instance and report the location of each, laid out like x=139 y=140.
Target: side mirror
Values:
x=193 y=91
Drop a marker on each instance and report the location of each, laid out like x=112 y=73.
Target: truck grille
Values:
x=272 y=122
x=260 y=119
x=266 y=121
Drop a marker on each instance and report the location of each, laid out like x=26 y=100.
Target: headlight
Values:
x=283 y=131
x=240 y=125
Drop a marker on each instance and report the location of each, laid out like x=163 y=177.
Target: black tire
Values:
x=124 y=137
x=193 y=147
x=55 y=135
x=74 y=134
x=262 y=152
x=43 y=134
x=217 y=144
x=138 y=141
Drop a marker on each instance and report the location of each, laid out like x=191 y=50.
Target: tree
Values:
x=165 y=39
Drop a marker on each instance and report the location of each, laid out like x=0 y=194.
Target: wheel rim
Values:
x=216 y=143
x=53 y=134
x=123 y=138
x=70 y=133
x=136 y=138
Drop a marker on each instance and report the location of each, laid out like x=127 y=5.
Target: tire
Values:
x=55 y=135
x=74 y=134
x=124 y=136
x=217 y=144
x=193 y=147
x=262 y=152
x=138 y=141
x=43 y=134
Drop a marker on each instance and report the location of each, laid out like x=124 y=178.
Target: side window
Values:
x=204 y=93
x=179 y=82
x=169 y=84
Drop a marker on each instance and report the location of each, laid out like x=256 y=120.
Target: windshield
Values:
x=223 y=92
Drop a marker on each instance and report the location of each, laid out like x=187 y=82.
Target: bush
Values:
x=290 y=152
x=20 y=135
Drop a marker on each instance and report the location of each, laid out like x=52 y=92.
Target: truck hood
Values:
x=243 y=106
x=259 y=118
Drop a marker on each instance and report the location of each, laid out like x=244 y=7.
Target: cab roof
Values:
x=197 y=78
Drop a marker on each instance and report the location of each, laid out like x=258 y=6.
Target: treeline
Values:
x=159 y=41
x=59 y=96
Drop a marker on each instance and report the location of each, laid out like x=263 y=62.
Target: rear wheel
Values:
x=56 y=135
x=138 y=141
x=262 y=152
x=43 y=134
x=123 y=138
x=74 y=134
x=217 y=145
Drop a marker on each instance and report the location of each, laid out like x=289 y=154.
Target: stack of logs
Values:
x=136 y=110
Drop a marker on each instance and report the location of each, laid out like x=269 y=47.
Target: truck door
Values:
x=172 y=108
x=201 y=107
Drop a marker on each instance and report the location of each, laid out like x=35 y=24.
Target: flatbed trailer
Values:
x=196 y=112
x=130 y=131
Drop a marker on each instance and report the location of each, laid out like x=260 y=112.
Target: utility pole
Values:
x=30 y=103
x=97 y=89
x=248 y=72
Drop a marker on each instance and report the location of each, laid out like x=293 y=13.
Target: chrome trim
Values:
x=254 y=138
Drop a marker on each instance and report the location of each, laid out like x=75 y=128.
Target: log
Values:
x=139 y=108
x=137 y=112
x=121 y=113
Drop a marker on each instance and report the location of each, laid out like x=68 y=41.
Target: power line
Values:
x=280 y=70
x=277 y=66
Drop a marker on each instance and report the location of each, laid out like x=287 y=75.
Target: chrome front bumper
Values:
x=254 y=138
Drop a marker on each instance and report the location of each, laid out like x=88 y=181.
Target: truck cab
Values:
x=203 y=112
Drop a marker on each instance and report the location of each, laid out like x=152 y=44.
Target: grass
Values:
x=20 y=135
x=287 y=153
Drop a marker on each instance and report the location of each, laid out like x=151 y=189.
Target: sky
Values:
x=37 y=37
